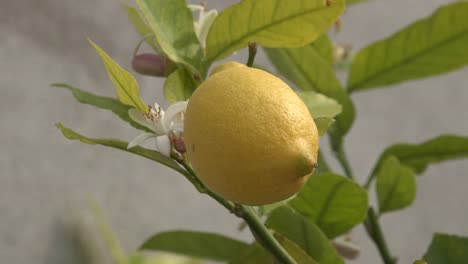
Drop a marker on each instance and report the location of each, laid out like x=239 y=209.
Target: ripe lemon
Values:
x=249 y=137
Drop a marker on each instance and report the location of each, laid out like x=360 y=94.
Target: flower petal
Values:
x=138 y=117
x=171 y=112
x=139 y=139
x=163 y=145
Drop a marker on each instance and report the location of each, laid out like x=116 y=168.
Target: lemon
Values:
x=249 y=137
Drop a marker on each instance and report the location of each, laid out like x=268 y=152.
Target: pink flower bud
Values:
x=150 y=64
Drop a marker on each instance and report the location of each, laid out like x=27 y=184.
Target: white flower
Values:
x=205 y=20
x=161 y=123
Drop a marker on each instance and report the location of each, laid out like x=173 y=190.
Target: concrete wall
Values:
x=44 y=178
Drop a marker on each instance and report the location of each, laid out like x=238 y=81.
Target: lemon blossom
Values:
x=205 y=19
x=161 y=123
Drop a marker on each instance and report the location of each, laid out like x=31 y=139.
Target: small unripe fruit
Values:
x=151 y=64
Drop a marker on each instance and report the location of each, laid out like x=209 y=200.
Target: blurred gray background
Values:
x=45 y=179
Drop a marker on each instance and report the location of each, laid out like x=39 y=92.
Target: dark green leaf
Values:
x=304 y=233
x=256 y=254
x=196 y=244
x=102 y=102
x=447 y=249
x=125 y=84
x=122 y=145
x=310 y=72
x=334 y=203
x=179 y=86
x=324 y=47
x=396 y=185
x=298 y=22
x=172 y=24
x=430 y=46
x=141 y=27
x=419 y=156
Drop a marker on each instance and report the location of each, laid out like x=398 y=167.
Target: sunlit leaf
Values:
x=306 y=68
x=447 y=249
x=141 y=27
x=172 y=24
x=334 y=203
x=430 y=46
x=179 y=86
x=271 y=23
x=396 y=186
x=196 y=244
x=122 y=145
x=125 y=84
x=304 y=233
x=114 y=105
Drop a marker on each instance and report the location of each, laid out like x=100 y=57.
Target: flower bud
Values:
x=151 y=64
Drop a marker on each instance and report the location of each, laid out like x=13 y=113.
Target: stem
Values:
x=375 y=232
x=260 y=232
x=263 y=236
x=371 y=223
x=341 y=155
x=252 y=53
x=370 y=178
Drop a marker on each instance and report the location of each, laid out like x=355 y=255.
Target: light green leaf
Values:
x=324 y=47
x=447 y=249
x=196 y=244
x=320 y=105
x=305 y=233
x=122 y=145
x=322 y=109
x=271 y=23
x=172 y=24
x=419 y=156
x=323 y=124
x=396 y=186
x=334 y=203
x=430 y=46
x=125 y=84
x=102 y=102
x=179 y=86
x=310 y=72
x=141 y=27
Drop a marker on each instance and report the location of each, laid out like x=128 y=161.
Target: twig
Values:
x=252 y=53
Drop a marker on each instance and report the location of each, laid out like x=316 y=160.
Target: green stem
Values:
x=375 y=232
x=371 y=223
x=370 y=178
x=260 y=232
x=263 y=236
x=341 y=156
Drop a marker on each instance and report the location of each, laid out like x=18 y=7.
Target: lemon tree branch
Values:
x=260 y=232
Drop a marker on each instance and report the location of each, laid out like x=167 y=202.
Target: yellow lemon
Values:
x=249 y=137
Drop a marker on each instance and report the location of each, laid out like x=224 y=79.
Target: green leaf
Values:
x=294 y=250
x=196 y=244
x=102 y=102
x=179 y=86
x=322 y=109
x=419 y=156
x=447 y=249
x=430 y=46
x=334 y=203
x=141 y=26
x=310 y=72
x=320 y=105
x=303 y=232
x=271 y=23
x=324 y=48
x=125 y=84
x=396 y=186
x=122 y=145
x=172 y=24
x=253 y=254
